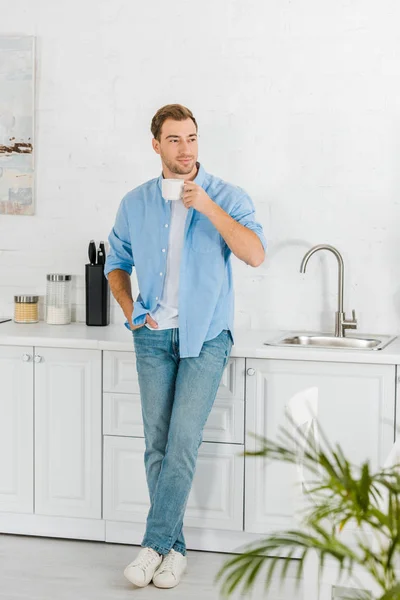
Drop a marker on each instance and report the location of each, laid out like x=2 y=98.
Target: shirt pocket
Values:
x=205 y=237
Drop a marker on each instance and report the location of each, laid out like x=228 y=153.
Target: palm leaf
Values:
x=343 y=495
x=392 y=594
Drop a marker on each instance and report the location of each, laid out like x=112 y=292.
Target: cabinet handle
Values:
x=38 y=358
x=251 y=371
x=26 y=357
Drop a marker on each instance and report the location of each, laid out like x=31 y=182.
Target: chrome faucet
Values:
x=341 y=324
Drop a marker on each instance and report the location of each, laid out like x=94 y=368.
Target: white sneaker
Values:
x=170 y=571
x=141 y=570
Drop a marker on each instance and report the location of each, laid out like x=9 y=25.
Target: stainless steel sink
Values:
x=323 y=340
x=339 y=340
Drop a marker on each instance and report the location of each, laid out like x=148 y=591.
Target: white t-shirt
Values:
x=166 y=312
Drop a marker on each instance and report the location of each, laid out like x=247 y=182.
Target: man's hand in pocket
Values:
x=149 y=320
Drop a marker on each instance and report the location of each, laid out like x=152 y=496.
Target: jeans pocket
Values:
x=137 y=329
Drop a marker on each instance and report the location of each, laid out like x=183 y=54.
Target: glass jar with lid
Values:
x=58 y=299
x=26 y=309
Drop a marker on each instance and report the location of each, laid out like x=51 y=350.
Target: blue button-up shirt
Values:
x=206 y=297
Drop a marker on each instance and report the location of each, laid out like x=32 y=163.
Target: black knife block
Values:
x=97 y=296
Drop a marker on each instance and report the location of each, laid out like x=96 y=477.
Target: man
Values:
x=181 y=321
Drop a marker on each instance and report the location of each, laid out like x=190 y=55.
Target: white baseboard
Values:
x=63 y=527
x=117 y=532
x=211 y=540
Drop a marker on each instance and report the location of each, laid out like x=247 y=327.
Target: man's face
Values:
x=178 y=146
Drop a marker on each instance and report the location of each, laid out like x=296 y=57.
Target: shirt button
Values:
x=166 y=225
x=161 y=274
x=156 y=297
x=163 y=249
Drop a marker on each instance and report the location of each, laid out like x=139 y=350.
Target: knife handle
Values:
x=92 y=252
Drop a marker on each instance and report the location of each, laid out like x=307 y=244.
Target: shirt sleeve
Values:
x=244 y=213
x=120 y=253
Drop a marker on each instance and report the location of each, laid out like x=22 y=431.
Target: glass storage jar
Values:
x=26 y=309
x=58 y=299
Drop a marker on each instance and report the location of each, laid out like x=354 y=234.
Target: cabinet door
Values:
x=16 y=429
x=356 y=408
x=68 y=432
x=216 y=498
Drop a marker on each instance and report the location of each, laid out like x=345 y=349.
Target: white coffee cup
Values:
x=172 y=189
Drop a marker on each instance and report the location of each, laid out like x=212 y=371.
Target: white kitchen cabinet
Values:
x=16 y=429
x=356 y=409
x=216 y=498
x=52 y=441
x=68 y=436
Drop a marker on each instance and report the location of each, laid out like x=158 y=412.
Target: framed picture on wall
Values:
x=17 y=99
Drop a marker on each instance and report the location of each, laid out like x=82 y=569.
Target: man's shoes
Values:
x=170 y=571
x=141 y=570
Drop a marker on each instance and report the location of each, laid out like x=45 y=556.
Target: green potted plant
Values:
x=343 y=496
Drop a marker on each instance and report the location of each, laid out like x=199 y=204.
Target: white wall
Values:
x=297 y=102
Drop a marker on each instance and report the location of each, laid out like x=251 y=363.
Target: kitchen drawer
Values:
x=216 y=498
x=122 y=415
x=119 y=372
x=119 y=375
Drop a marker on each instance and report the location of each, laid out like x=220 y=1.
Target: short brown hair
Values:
x=177 y=112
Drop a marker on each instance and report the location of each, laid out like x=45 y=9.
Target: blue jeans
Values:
x=176 y=396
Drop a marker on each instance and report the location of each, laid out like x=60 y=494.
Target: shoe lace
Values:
x=169 y=562
x=146 y=558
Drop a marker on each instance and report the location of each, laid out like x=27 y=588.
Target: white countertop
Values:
x=248 y=343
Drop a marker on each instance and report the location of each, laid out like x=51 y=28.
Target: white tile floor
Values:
x=35 y=568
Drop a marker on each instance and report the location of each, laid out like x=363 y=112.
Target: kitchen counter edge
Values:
x=248 y=343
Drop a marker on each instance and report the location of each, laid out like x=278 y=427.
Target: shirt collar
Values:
x=199 y=179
